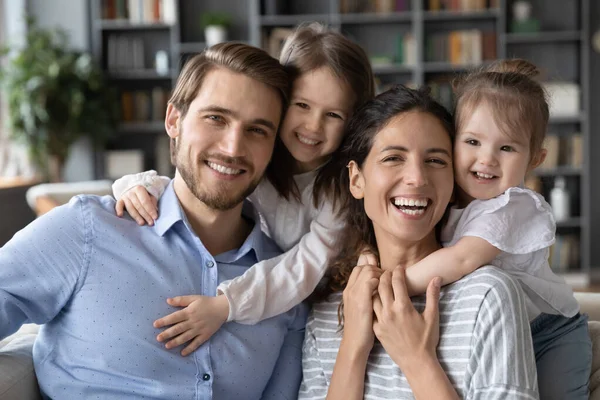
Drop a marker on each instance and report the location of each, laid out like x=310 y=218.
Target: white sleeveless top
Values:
x=520 y=223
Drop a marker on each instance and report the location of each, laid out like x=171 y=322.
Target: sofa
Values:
x=18 y=382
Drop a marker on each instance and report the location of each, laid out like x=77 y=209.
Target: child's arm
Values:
x=139 y=194
x=274 y=286
x=450 y=263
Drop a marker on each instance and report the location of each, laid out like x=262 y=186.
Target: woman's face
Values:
x=406 y=180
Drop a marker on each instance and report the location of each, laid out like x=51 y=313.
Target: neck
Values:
x=462 y=198
x=219 y=231
x=393 y=253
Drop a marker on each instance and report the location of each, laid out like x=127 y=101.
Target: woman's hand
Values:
x=141 y=205
x=358 y=307
x=408 y=336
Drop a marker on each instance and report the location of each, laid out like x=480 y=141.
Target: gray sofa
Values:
x=18 y=382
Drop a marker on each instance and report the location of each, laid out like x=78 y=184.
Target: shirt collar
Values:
x=170 y=212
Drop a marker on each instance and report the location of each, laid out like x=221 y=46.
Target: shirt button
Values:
x=210 y=264
x=206 y=377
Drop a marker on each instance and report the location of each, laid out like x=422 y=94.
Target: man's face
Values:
x=225 y=141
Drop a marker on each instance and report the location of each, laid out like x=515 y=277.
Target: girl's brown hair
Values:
x=364 y=126
x=518 y=102
x=310 y=47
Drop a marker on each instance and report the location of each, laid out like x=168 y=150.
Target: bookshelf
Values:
x=398 y=40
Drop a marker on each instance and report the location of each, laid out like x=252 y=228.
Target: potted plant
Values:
x=215 y=26
x=55 y=96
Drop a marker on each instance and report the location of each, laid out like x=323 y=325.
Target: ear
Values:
x=537 y=160
x=172 y=121
x=357 y=182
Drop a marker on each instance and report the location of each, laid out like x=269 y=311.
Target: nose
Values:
x=232 y=142
x=313 y=122
x=415 y=174
x=487 y=157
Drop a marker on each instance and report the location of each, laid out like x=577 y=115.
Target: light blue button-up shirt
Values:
x=98 y=282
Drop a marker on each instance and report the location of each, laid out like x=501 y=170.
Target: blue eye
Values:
x=509 y=149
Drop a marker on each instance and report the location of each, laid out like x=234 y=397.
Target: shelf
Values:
x=382 y=69
x=142 y=127
x=543 y=37
x=192 y=47
x=125 y=25
x=574 y=222
x=567 y=120
x=375 y=18
x=138 y=74
x=558 y=171
x=437 y=67
x=290 y=20
x=460 y=16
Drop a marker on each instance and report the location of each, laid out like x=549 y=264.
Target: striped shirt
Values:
x=485 y=344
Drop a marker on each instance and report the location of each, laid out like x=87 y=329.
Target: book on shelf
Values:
x=376 y=6
x=460 y=5
x=125 y=53
x=144 y=105
x=564 y=253
x=465 y=47
x=140 y=11
x=441 y=90
x=563 y=151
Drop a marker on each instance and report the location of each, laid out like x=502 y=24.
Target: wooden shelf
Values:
x=574 y=222
x=460 y=16
x=575 y=119
x=381 y=69
x=150 y=127
x=138 y=74
x=125 y=25
x=291 y=20
x=558 y=171
x=543 y=37
x=439 y=67
x=375 y=18
x=191 y=47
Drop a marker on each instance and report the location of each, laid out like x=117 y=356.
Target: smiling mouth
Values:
x=307 y=141
x=223 y=169
x=411 y=206
x=482 y=176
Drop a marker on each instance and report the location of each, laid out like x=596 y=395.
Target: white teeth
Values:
x=224 y=170
x=414 y=212
x=484 y=176
x=400 y=201
x=306 y=140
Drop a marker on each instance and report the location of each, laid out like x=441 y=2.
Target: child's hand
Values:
x=198 y=321
x=141 y=205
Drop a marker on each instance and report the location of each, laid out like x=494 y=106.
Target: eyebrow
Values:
x=428 y=151
x=304 y=100
x=226 y=111
x=509 y=141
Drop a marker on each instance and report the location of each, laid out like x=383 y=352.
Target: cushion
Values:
x=594 y=327
x=17 y=375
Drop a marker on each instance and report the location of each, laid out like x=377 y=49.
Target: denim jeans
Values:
x=563 y=354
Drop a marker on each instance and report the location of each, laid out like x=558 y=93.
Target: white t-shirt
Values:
x=520 y=223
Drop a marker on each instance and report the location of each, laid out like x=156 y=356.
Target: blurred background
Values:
x=85 y=85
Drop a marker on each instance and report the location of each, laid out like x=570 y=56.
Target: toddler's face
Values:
x=487 y=161
x=314 y=124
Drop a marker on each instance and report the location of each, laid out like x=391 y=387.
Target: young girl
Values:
x=501 y=120
x=331 y=78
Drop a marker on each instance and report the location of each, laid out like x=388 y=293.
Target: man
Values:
x=98 y=282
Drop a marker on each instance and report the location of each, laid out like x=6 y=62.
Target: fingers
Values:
x=353 y=276
x=182 y=301
x=399 y=287
x=119 y=207
x=139 y=208
x=385 y=290
x=147 y=201
x=190 y=348
x=132 y=210
x=171 y=319
x=377 y=306
x=185 y=337
x=431 y=313
x=172 y=332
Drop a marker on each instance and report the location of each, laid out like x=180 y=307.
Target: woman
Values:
x=398 y=151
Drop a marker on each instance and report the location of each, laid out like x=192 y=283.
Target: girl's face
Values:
x=486 y=161
x=406 y=181
x=313 y=126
